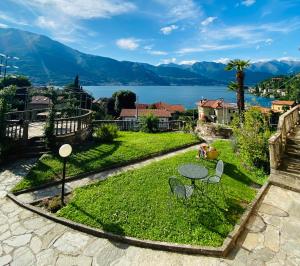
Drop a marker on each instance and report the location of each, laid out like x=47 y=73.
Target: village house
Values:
x=39 y=102
x=172 y=108
x=136 y=114
x=282 y=106
x=216 y=111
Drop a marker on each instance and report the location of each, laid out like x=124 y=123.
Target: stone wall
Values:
x=213 y=130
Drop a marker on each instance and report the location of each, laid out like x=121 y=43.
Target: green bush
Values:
x=52 y=205
x=252 y=138
x=149 y=123
x=106 y=133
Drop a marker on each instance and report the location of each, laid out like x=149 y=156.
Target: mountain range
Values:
x=46 y=61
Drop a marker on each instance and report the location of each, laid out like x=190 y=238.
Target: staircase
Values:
x=36 y=147
x=286 y=173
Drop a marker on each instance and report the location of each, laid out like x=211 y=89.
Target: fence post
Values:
x=79 y=124
x=25 y=130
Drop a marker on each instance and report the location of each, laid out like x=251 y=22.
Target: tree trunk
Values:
x=240 y=91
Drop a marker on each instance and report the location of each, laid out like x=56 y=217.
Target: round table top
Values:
x=193 y=171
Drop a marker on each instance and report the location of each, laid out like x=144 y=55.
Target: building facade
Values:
x=216 y=111
x=282 y=106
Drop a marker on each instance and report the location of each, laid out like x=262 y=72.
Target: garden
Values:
x=96 y=156
x=138 y=203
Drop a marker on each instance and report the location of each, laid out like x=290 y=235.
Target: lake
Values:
x=186 y=95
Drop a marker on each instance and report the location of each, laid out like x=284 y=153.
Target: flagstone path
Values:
x=272 y=236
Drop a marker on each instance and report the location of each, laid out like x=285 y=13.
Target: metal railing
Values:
x=132 y=125
x=277 y=143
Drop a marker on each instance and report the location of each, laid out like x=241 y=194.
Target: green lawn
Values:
x=138 y=203
x=127 y=147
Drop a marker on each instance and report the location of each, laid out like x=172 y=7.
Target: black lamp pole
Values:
x=63 y=182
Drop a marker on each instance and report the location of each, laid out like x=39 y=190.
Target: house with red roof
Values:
x=172 y=108
x=216 y=111
x=135 y=114
x=282 y=106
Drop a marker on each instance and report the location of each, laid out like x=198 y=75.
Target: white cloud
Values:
x=148 y=47
x=206 y=47
x=47 y=23
x=157 y=52
x=269 y=41
x=79 y=9
x=250 y=34
x=169 y=60
x=223 y=60
x=178 y=10
x=10 y=19
x=248 y=2
x=188 y=62
x=3 y=25
x=128 y=43
x=167 y=30
x=208 y=21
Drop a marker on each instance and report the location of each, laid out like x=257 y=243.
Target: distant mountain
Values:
x=47 y=61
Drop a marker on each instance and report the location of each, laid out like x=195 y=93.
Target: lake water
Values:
x=186 y=95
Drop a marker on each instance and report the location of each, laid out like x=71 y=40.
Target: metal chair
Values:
x=216 y=178
x=179 y=189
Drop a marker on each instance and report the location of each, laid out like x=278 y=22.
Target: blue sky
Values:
x=162 y=31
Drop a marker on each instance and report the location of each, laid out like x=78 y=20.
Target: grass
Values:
x=127 y=147
x=138 y=203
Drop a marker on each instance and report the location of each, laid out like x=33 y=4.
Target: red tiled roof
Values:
x=283 y=102
x=264 y=110
x=143 y=105
x=144 y=112
x=216 y=104
x=161 y=105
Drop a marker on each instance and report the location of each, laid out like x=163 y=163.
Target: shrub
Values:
x=106 y=133
x=149 y=123
x=252 y=138
x=53 y=205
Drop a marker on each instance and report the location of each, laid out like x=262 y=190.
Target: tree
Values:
x=239 y=66
x=18 y=81
x=6 y=98
x=83 y=98
x=149 y=123
x=124 y=99
x=252 y=138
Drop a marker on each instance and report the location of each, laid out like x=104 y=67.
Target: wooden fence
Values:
x=16 y=130
x=17 y=123
x=65 y=126
x=28 y=115
x=277 y=143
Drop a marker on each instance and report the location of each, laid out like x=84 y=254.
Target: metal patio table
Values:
x=193 y=172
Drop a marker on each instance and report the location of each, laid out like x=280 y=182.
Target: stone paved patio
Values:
x=272 y=236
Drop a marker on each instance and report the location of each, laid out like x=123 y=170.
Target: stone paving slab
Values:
x=28 y=239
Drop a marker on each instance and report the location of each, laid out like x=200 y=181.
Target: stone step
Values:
x=291 y=155
x=289 y=169
x=285 y=181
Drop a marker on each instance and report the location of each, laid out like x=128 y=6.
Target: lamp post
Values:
x=64 y=152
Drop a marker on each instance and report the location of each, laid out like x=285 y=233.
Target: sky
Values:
x=164 y=31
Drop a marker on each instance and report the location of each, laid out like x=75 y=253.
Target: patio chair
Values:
x=179 y=189
x=216 y=178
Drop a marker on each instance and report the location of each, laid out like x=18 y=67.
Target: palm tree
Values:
x=239 y=66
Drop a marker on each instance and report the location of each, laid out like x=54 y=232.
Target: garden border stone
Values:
x=222 y=251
